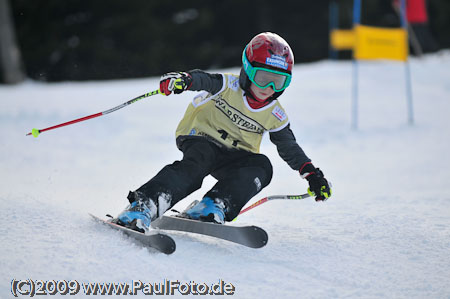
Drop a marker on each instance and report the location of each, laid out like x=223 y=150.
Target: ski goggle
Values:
x=264 y=78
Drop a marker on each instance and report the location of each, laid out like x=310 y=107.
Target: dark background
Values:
x=89 y=40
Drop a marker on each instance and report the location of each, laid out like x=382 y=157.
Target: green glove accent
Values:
x=324 y=194
x=179 y=84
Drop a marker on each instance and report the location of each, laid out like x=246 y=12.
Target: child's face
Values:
x=262 y=93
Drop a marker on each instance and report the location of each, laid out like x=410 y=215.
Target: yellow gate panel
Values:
x=380 y=43
x=342 y=39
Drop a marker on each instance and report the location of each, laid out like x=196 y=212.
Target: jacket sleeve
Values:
x=205 y=81
x=288 y=148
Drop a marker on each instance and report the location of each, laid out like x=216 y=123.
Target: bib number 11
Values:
x=224 y=136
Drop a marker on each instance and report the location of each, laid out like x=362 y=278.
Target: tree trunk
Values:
x=11 y=69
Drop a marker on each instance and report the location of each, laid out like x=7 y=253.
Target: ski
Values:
x=251 y=236
x=158 y=241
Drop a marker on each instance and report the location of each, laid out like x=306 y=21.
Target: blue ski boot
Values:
x=136 y=216
x=207 y=210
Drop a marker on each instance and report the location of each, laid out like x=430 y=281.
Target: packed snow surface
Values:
x=384 y=233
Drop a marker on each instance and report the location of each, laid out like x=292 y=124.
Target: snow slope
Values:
x=384 y=233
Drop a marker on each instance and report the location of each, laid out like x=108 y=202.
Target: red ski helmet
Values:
x=267 y=60
x=270 y=50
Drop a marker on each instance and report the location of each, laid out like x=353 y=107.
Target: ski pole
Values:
x=289 y=197
x=36 y=132
x=266 y=199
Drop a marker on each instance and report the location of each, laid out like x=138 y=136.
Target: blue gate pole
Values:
x=356 y=20
x=409 y=96
x=333 y=24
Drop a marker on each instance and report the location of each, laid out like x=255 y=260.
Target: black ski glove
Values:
x=175 y=81
x=318 y=185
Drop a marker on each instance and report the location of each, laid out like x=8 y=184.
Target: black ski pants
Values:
x=240 y=175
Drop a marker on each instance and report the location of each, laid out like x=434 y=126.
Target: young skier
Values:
x=220 y=135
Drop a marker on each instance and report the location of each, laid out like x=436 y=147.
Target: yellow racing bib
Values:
x=227 y=117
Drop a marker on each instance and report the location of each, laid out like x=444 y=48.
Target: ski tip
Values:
x=170 y=247
x=260 y=238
